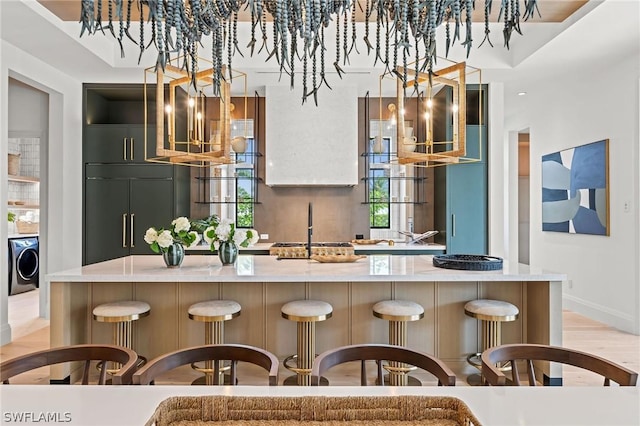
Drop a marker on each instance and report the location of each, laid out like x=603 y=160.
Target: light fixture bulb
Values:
x=199 y=116
x=168 y=109
x=401 y=111
x=191 y=102
x=429 y=103
x=454 y=108
x=426 y=115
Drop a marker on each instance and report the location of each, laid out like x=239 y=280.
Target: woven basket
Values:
x=468 y=262
x=313 y=410
x=14 y=164
x=27 y=227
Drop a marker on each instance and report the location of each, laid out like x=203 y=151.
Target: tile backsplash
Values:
x=29 y=150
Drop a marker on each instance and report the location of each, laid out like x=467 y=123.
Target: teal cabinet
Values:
x=461 y=193
x=466 y=202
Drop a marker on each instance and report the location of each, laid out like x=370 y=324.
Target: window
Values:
x=245 y=186
x=379 y=186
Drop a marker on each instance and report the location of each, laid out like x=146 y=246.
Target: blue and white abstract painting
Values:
x=575 y=190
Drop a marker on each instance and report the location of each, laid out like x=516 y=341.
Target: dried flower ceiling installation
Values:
x=292 y=32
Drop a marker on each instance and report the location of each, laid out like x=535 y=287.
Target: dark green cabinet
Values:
x=120 y=205
x=123 y=194
x=117 y=143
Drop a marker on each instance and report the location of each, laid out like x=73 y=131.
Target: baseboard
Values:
x=5 y=334
x=611 y=317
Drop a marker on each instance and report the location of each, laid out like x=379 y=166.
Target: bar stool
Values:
x=306 y=313
x=491 y=313
x=122 y=314
x=213 y=313
x=399 y=313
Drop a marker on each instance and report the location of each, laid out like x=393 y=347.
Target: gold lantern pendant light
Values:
x=192 y=123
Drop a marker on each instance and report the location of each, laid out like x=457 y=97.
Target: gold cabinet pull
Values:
x=124 y=230
x=131 y=235
x=124 y=148
x=131 y=148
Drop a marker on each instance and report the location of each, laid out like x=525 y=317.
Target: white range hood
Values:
x=308 y=145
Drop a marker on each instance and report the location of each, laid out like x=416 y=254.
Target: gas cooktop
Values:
x=299 y=250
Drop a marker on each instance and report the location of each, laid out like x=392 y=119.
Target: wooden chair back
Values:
x=532 y=352
x=87 y=353
x=379 y=353
x=216 y=353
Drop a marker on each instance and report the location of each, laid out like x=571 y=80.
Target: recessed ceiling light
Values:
x=522 y=93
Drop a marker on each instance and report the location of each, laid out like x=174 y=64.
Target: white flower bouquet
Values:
x=227 y=232
x=180 y=232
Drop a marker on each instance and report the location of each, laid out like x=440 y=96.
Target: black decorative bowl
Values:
x=468 y=262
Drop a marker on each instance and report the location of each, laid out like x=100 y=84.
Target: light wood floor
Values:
x=31 y=333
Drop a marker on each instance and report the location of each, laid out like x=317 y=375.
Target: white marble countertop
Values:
x=15 y=236
x=205 y=247
x=383 y=246
x=256 y=268
x=496 y=406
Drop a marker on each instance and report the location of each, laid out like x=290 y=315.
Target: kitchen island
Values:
x=262 y=284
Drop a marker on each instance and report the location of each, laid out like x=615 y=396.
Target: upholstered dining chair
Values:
x=380 y=353
x=216 y=353
x=124 y=357
x=532 y=352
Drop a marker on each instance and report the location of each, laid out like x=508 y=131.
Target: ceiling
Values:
x=550 y=10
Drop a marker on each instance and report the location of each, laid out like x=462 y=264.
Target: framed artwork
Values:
x=575 y=190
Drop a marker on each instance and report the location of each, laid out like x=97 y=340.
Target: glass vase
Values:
x=174 y=255
x=228 y=253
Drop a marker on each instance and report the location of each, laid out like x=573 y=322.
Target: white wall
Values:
x=60 y=227
x=571 y=107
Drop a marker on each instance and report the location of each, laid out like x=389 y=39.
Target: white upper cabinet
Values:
x=308 y=145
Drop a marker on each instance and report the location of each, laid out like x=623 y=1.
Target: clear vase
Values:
x=228 y=253
x=174 y=255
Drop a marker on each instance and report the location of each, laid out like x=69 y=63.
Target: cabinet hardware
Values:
x=124 y=148
x=131 y=234
x=131 y=150
x=124 y=230
x=453 y=225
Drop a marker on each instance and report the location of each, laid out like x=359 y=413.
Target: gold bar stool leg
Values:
x=399 y=313
x=306 y=313
x=122 y=315
x=491 y=313
x=213 y=313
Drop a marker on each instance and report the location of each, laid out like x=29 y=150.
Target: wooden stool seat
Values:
x=399 y=313
x=306 y=313
x=491 y=313
x=213 y=313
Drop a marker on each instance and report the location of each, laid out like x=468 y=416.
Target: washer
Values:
x=24 y=264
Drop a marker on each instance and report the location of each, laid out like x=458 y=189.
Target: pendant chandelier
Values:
x=396 y=32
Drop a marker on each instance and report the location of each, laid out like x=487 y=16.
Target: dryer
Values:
x=24 y=264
